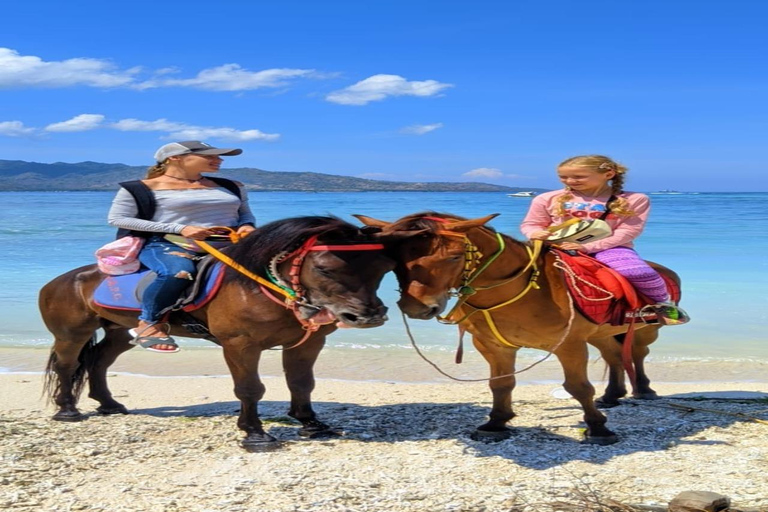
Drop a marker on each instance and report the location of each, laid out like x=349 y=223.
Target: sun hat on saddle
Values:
x=579 y=231
x=192 y=147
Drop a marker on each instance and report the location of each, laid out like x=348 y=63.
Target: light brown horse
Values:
x=334 y=282
x=519 y=299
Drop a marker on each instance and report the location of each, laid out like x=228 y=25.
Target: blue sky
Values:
x=493 y=91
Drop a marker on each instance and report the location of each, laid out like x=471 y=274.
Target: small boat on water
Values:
x=668 y=192
x=527 y=193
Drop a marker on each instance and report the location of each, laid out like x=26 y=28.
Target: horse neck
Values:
x=513 y=259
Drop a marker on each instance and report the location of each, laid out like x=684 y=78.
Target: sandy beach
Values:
x=405 y=446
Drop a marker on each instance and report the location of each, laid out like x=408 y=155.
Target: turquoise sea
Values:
x=715 y=241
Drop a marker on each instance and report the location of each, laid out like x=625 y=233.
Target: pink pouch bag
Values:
x=120 y=257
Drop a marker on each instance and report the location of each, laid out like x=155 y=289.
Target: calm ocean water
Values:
x=716 y=242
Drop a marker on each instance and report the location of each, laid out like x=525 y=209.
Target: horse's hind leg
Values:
x=610 y=350
x=298 y=364
x=573 y=357
x=66 y=375
x=114 y=343
x=641 y=388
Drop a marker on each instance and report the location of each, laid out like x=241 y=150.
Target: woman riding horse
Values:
x=320 y=272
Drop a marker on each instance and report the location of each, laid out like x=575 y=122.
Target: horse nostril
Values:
x=434 y=310
x=349 y=318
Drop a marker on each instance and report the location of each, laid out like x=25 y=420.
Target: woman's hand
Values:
x=245 y=229
x=198 y=232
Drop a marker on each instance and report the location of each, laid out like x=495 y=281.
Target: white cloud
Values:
x=191 y=132
x=484 y=172
x=30 y=71
x=201 y=133
x=136 y=125
x=420 y=129
x=81 y=123
x=231 y=77
x=379 y=87
x=15 y=129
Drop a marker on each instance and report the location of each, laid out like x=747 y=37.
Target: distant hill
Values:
x=17 y=175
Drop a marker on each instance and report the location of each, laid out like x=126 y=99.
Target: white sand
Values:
x=406 y=447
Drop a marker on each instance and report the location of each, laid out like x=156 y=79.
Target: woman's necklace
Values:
x=188 y=180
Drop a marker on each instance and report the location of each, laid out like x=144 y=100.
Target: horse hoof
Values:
x=602 y=403
x=312 y=433
x=69 y=416
x=118 y=409
x=646 y=396
x=490 y=436
x=601 y=440
x=259 y=443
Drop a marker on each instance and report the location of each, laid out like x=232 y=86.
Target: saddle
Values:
x=124 y=292
x=603 y=295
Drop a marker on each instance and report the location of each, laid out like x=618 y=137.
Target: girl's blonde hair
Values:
x=601 y=164
x=157 y=170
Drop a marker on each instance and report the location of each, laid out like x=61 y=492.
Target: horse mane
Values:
x=417 y=221
x=286 y=235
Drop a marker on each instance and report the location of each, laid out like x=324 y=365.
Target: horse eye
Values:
x=323 y=271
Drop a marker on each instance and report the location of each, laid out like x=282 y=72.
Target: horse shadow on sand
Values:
x=543 y=435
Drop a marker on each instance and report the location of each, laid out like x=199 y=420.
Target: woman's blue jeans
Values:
x=175 y=268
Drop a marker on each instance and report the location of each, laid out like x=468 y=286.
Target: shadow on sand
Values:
x=545 y=433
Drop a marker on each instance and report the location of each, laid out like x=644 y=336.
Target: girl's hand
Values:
x=540 y=235
x=571 y=246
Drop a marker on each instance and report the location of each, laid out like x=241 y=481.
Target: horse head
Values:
x=330 y=268
x=432 y=256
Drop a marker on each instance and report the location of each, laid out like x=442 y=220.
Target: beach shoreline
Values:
x=405 y=447
x=387 y=365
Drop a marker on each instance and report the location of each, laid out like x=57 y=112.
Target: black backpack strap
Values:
x=145 y=201
x=227 y=184
x=608 y=207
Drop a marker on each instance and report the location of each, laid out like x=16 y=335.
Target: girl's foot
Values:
x=669 y=313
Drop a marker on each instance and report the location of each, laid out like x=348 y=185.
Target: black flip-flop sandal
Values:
x=147 y=342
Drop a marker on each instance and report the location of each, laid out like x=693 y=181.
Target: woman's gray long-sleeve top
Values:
x=176 y=209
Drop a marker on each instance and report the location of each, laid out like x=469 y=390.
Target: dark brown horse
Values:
x=519 y=299
x=332 y=267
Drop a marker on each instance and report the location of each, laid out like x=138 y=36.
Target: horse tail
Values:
x=86 y=360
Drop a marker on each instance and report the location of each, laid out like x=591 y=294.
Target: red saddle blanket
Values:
x=603 y=295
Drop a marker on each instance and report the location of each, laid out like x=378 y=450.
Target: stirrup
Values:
x=669 y=313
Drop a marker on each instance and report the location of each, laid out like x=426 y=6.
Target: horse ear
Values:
x=370 y=221
x=466 y=225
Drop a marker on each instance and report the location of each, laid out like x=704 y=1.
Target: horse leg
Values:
x=73 y=325
x=65 y=375
x=243 y=363
x=502 y=362
x=641 y=388
x=114 y=343
x=573 y=358
x=610 y=350
x=298 y=364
